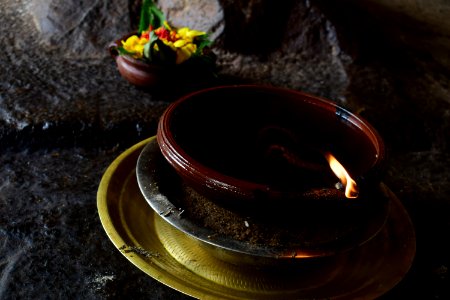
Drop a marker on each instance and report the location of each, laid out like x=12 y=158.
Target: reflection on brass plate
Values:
x=175 y=259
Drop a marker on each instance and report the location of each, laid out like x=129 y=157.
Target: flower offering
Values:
x=158 y=42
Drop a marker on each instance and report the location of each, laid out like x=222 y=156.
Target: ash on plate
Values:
x=284 y=225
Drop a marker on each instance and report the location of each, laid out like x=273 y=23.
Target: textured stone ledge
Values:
x=65 y=114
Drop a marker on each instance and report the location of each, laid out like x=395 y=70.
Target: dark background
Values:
x=65 y=114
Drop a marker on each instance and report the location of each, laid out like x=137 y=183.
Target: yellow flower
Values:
x=187 y=34
x=185 y=51
x=180 y=41
x=183 y=48
x=185 y=44
x=135 y=45
x=167 y=25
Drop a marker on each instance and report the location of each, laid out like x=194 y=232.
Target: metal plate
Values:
x=175 y=259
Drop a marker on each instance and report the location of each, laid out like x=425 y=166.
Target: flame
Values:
x=351 y=189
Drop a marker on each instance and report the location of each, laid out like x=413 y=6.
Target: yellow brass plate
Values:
x=182 y=263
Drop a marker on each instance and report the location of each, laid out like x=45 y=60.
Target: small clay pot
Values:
x=186 y=77
x=250 y=144
x=137 y=72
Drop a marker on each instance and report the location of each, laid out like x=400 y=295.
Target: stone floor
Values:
x=64 y=119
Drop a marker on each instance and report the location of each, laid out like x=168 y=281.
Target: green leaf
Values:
x=149 y=47
x=150 y=15
x=148 y=51
x=202 y=41
x=144 y=21
x=122 y=51
x=158 y=17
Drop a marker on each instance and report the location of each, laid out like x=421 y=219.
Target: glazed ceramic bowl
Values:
x=247 y=144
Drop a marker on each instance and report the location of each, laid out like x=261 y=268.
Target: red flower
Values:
x=166 y=34
x=162 y=33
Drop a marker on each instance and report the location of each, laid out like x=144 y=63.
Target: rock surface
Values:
x=65 y=114
x=78 y=28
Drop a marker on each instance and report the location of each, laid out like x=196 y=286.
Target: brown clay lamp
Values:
x=259 y=154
